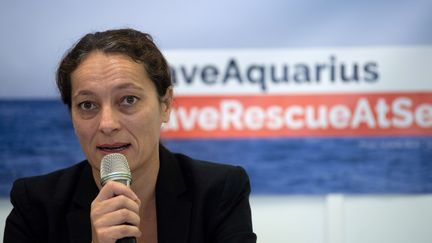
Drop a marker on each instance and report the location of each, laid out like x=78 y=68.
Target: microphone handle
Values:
x=127 y=240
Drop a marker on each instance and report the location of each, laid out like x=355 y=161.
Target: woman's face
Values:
x=116 y=109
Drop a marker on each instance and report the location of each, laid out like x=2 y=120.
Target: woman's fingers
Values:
x=112 y=189
x=118 y=217
x=113 y=233
x=115 y=203
x=115 y=213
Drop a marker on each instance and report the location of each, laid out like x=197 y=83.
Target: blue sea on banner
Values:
x=37 y=137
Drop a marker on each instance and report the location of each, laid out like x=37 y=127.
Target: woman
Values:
x=117 y=87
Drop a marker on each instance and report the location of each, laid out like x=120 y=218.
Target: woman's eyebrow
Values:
x=83 y=93
x=128 y=86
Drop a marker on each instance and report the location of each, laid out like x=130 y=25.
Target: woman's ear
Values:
x=166 y=104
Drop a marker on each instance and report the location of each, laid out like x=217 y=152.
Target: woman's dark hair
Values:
x=137 y=45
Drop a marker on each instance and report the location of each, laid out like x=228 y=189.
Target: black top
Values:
x=196 y=201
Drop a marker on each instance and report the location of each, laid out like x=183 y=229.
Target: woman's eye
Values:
x=87 y=105
x=129 y=100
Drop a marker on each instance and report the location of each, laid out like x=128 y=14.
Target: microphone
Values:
x=115 y=167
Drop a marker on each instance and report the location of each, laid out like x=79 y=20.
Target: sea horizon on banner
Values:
x=288 y=165
x=322 y=165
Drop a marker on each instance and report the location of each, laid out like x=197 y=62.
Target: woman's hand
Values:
x=115 y=214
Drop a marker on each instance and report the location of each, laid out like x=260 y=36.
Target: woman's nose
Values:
x=109 y=121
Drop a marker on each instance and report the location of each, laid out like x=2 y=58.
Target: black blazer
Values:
x=196 y=202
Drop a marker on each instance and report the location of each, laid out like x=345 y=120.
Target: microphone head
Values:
x=115 y=167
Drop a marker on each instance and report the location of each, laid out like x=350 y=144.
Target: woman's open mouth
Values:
x=113 y=148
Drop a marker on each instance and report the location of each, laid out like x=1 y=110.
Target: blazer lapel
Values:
x=172 y=203
x=78 y=218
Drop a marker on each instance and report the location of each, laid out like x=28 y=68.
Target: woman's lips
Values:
x=113 y=148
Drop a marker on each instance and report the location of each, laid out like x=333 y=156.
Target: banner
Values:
x=350 y=120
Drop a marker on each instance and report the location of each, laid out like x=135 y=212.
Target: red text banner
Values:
x=357 y=114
